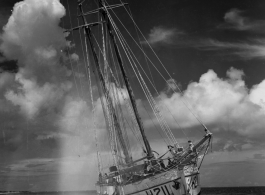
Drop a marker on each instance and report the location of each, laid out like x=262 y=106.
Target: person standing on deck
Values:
x=171 y=150
x=191 y=146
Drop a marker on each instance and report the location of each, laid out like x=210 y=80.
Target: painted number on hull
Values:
x=161 y=190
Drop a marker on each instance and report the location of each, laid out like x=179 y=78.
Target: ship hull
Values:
x=173 y=182
x=174 y=187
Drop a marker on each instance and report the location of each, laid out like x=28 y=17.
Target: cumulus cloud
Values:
x=33 y=38
x=31 y=97
x=257 y=94
x=234 y=20
x=224 y=104
x=162 y=35
x=33 y=27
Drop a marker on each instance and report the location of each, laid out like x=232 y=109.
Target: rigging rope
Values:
x=140 y=79
x=93 y=111
x=146 y=74
x=127 y=103
x=153 y=82
x=108 y=120
x=196 y=117
x=129 y=107
x=167 y=143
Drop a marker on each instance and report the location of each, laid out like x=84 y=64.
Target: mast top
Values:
x=80 y=1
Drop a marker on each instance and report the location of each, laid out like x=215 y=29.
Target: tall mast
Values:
x=125 y=77
x=128 y=158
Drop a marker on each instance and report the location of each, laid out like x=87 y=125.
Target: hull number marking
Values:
x=160 y=190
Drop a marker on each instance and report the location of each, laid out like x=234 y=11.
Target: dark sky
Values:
x=214 y=50
x=197 y=21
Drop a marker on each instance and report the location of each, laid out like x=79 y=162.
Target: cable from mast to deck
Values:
x=105 y=15
x=110 y=106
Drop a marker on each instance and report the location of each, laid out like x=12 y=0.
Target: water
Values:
x=205 y=191
x=50 y=193
x=234 y=191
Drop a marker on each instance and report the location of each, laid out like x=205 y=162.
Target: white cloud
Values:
x=33 y=38
x=33 y=26
x=235 y=74
x=75 y=116
x=223 y=104
x=235 y=20
x=74 y=57
x=31 y=97
x=42 y=86
x=233 y=17
x=246 y=50
x=257 y=94
x=162 y=35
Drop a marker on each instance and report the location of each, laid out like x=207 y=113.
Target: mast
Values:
x=128 y=158
x=125 y=77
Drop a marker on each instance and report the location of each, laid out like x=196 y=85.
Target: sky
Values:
x=214 y=51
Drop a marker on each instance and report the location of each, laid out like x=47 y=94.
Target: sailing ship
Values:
x=176 y=172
